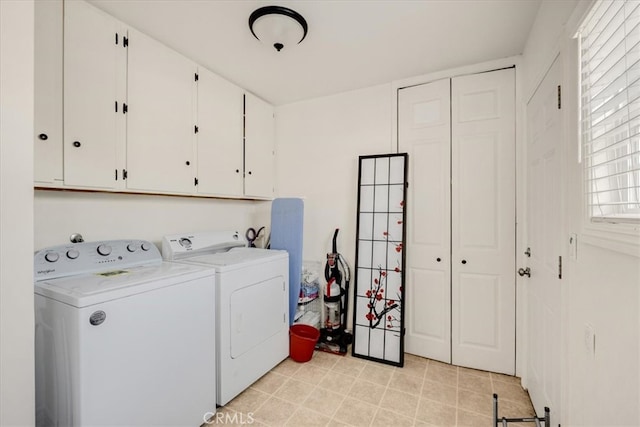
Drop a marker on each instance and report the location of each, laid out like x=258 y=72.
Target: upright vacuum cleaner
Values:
x=334 y=338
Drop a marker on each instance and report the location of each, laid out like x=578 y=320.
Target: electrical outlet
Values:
x=589 y=339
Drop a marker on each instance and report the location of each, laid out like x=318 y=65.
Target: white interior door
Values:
x=544 y=231
x=483 y=221
x=424 y=123
x=460 y=136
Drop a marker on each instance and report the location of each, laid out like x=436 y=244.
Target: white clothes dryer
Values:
x=122 y=338
x=252 y=304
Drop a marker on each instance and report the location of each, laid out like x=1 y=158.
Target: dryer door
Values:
x=258 y=312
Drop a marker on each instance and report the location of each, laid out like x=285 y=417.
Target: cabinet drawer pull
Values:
x=43 y=136
x=76 y=144
x=438 y=259
x=464 y=261
x=188 y=162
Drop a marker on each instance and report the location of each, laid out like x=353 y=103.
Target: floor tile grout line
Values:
x=494 y=381
x=424 y=380
x=457 y=393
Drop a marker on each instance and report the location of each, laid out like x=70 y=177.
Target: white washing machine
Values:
x=252 y=304
x=122 y=338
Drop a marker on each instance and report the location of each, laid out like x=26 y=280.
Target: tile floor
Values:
x=332 y=390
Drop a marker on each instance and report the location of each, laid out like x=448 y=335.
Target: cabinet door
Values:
x=160 y=136
x=47 y=148
x=424 y=131
x=259 y=145
x=219 y=137
x=94 y=81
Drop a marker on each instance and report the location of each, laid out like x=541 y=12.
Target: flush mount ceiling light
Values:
x=277 y=26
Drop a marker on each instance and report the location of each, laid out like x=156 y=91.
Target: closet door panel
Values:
x=483 y=218
x=424 y=132
x=429 y=305
x=477 y=196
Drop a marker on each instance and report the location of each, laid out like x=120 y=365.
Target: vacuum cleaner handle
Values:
x=333 y=270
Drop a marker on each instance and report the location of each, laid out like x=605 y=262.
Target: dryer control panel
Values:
x=87 y=257
x=180 y=246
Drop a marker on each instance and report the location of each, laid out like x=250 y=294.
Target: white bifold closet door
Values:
x=460 y=136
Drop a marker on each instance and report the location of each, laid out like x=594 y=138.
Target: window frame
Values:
x=618 y=234
x=610 y=150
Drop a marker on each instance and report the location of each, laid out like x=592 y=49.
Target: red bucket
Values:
x=302 y=342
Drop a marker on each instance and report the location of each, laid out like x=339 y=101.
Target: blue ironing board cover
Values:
x=287 y=219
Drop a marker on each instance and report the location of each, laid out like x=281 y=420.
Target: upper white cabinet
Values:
x=219 y=137
x=115 y=110
x=94 y=94
x=259 y=148
x=47 y=149
x=161 y=125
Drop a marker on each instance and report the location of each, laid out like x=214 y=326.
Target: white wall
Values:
x=603 y=284
x=101 y=216
x=318 y=145
x=17 y=395
x=544 y=39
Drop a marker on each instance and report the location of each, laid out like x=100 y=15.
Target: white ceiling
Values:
x=350 y=44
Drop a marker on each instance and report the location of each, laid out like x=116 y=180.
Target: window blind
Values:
x=610 y=104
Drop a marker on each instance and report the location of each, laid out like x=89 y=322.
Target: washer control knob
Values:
x=145 y=246
x=185 y=242
x=51 y=256
x=131 y=247
x=73 y=254
x=104 y=250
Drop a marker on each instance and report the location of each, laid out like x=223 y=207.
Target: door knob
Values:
x=524 y=272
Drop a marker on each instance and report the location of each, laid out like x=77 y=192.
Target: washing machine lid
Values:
x=94 y=288
x=237 y=258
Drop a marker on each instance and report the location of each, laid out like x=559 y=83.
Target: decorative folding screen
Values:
x=380 y=259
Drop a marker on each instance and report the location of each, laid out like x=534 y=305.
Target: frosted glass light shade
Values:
x=278 y=26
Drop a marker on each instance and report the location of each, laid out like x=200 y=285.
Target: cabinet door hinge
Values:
x=195 y=129
x=196 y=77
x=195 y=181
x=125 y=174
x=125 y=41
x=125 y=108
x=560 y=267
x=559 y=97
